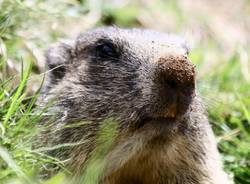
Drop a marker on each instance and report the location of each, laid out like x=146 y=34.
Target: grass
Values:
x=229 y=114
x=223 y=77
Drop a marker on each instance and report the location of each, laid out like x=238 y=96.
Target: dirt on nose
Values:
x=178 y=72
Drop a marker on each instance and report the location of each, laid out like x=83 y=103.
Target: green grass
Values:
x=229 y=108
x=17 y=126
x=223 y=79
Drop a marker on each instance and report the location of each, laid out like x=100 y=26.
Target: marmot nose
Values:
x=177 y=73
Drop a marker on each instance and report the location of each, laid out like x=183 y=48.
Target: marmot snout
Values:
x=176 y=75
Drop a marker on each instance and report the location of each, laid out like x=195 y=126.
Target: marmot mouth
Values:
x=156 y=120
x=159 y=119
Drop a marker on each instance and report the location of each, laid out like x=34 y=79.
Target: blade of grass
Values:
x=14 y=100
x=11 y=163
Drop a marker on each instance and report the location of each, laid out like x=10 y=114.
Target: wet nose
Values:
x=177 y=73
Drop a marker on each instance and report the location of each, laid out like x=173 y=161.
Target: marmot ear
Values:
x=58 y=57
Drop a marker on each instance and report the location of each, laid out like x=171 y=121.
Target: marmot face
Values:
x=135 y=76
x=145 y=81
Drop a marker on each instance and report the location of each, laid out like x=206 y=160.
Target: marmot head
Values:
x=136 y=76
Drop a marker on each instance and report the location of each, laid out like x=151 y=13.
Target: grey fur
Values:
x=138 y=89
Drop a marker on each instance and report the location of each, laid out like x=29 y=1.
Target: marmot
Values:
x=144 y=81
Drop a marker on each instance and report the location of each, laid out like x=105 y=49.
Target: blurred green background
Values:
x=218 y=33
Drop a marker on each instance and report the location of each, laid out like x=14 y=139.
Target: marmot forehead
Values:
x=149 y=41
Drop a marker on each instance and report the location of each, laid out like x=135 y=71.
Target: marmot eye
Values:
x=106 y=50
